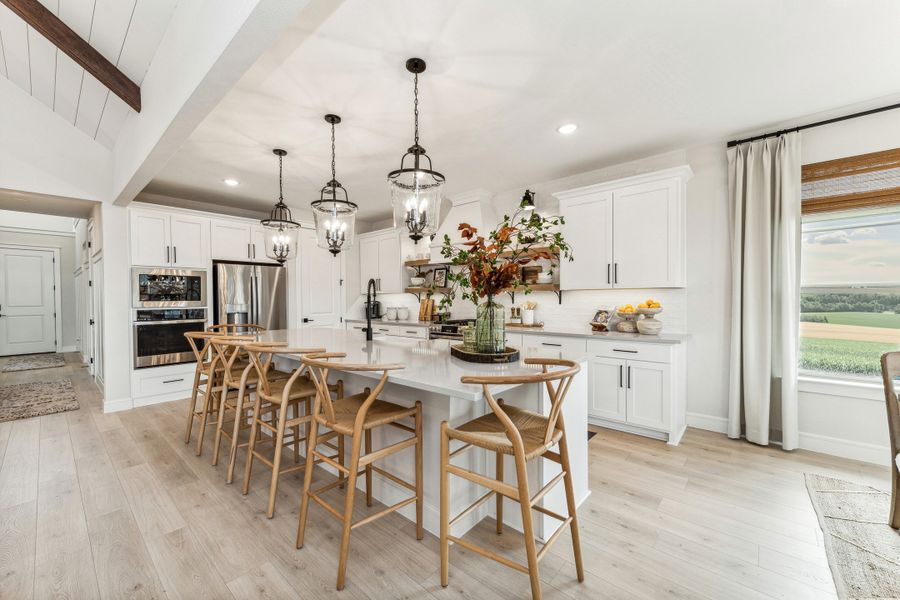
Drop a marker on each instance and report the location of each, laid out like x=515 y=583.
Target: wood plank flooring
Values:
x=116 y=506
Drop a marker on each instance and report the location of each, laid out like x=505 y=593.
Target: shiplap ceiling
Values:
x=125 y=32
x=637 y=77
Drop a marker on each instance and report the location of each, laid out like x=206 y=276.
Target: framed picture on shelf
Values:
x=440 y=277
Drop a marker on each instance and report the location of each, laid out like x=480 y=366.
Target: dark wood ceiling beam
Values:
x=61 y=35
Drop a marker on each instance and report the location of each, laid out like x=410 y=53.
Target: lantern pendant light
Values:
x=281 y=229
x=415 y=189
x=335 y=216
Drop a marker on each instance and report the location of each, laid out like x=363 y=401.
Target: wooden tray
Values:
x=523 y=326
x=507 y=356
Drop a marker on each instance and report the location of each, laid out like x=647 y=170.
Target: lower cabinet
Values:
x=638 y=387
x=379 y=328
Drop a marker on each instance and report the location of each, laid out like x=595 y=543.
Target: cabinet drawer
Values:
x=412 y=332
x=154 y=385
x=385 y=329
x=630 y=350
x=549 y=346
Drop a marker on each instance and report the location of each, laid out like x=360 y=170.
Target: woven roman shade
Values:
x=864 y=181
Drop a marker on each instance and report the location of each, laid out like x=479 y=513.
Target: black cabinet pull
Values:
x=174 y=255
x=549 y=344
x=608 y=268
x=413 y=332
x=628 y=351
x=629 y=377
x=621 y=368
x=616 y=273
x=167 y=254
x=173 y=380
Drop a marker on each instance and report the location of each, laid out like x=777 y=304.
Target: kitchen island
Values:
x=433 y=376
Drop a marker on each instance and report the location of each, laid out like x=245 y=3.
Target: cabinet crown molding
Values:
x=683 y=172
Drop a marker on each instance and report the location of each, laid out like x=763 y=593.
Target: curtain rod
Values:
x=864 y=113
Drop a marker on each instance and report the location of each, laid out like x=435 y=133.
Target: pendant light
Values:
x=281 y=229
x=335 y=217
x=527 y=203
x=415 y=189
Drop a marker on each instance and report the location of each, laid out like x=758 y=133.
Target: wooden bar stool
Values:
x=356 y=416
x=236 y=328
x=526 y=436
x=890 y=371
x=205 y=385
x=276 y=397
x=239 y=378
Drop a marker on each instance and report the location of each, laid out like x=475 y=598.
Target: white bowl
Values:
x=649 y=311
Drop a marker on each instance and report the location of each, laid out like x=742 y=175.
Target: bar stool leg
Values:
x=498 y=471
x=193 y=405
x=368 y=434
x=528 y=527
x=340 y=458
x=208 y=399
x=445 y=505
x=570 y=501
x=420 y=530
x=236 y=432
x=348 y=512
x=220 y=423
x=296 y=429
x=276 y=464
x=251 y=446
x=311 y=441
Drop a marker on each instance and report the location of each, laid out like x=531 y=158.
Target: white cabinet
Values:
x=231 y=240
x=638 y=387
x=606 y=388
x=258 y=245
x=627 y=233
x=550 y=346
x=162 y=239
x=380 y=259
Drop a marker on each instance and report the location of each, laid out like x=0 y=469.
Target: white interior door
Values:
x=27 y=301
x=320 y=284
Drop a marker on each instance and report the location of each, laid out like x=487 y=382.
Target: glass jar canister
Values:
x=490 y=327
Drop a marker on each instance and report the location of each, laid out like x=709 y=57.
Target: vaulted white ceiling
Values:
x=125 y=32
x=637 y=77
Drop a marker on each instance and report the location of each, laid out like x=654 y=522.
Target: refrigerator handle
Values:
x=254 y=305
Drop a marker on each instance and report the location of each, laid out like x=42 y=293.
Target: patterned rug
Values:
x=24 y=400
x=863 y=551
x=29 y=362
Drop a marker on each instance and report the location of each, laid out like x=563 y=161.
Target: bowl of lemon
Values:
x=627 y=313
x=649 y=325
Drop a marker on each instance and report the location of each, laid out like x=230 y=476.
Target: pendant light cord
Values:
x=416 y=106
x=332 y=154
x=280 y=179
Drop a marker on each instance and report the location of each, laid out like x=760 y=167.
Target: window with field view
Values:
x=850 y=294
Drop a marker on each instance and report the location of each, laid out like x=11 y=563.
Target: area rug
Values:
x=863 y=551
x=29 y=362
x=24 y=400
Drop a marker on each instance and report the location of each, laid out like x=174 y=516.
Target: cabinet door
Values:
x=588 y=230
x=258 y=246
x=390 y=264
x=368 y=262
x=606 y=388
x=190 y=242
x=150 y=239
x=647 y=387
x=647 y=239
x=548 y=346
x=230 y=241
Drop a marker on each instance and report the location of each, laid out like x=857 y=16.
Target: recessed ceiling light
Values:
x=230 y=182
x=567 y=128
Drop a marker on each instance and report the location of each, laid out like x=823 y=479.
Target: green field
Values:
x=861 y=319
x=843 y=356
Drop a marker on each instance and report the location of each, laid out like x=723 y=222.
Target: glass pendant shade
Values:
x=416 y=187
x=333 y=213
x=280 y=228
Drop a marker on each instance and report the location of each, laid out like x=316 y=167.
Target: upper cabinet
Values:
x=237 y=240
x=627 y=233
x=171 y=240
x=380 y=259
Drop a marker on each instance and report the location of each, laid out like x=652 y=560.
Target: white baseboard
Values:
x=172 y=397
x=707 y=422
x=68 y=349
x=872 y=453
x=117 y=405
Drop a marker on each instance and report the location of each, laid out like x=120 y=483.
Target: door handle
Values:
x=173 y=380
x=628 y=351
x=629 y=377
x=621 y=368
x=248 y=251
x=254 y=251
x=308 y=320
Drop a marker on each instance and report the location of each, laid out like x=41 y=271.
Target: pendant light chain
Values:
x=416 y=106
x=280 y=179
x=333 y=171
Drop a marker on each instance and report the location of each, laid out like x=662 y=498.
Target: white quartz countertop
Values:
x=429 y=366
x=407 y=323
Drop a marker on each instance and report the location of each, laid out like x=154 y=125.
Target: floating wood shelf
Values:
x=536 y=287
x=419 y=291
x=423 y=262
x=533 y=252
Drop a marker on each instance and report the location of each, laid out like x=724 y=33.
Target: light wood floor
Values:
x=116 y=506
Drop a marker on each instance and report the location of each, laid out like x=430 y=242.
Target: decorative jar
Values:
x=490 y=327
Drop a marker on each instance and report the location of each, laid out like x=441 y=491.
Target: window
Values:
x=850 y=265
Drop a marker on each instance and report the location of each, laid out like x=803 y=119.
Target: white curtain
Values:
x=764 y=189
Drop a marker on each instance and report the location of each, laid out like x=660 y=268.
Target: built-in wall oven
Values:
x=167 y=288
x=159 y=335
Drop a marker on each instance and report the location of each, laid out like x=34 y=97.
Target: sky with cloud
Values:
x=859 y=250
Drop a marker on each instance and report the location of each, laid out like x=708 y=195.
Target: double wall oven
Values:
x=167 y=303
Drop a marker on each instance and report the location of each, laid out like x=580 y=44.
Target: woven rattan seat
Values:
x=379 y=413
x=489 y=433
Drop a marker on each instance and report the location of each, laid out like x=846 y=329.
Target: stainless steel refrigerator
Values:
x=250 y=293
